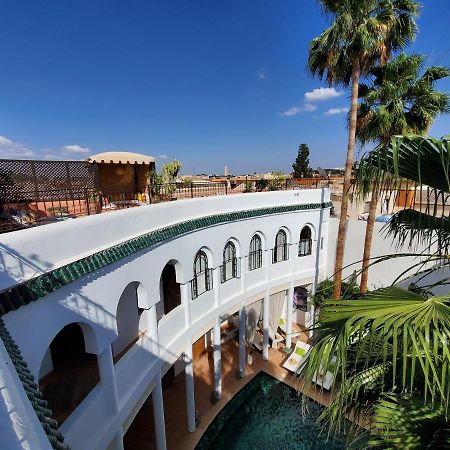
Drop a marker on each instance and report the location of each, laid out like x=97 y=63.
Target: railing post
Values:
x=286 y=185
x=192 y=190
x=87 y=202
x=226 y=188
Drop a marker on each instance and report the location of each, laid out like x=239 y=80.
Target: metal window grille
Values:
x=305 y=243
x=255 y=253
x=280 y=253
x=229 y=269
x=201 y=283
x=304 y=247
x=281 y=250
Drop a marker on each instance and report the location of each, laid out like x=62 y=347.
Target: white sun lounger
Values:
x=325 y=379
x=297 y=356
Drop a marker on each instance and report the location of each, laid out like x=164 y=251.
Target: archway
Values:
x=170 y=289
x=128 y=317
x=68 y=372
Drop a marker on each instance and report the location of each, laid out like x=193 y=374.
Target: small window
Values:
x=305 y=243
x=281 y=249
x=202 y=281
x=229 y=266
x=321 y=243
x=255 y=253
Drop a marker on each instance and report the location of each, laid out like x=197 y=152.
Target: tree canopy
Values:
x=301 y=164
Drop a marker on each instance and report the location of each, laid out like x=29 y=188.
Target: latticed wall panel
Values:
x=44 y=180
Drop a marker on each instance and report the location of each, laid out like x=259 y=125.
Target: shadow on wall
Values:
x=7 y=278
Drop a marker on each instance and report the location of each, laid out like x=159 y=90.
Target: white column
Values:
x=243 y=270
x=108 y=377
x=242 y=323
x=189 y=378
x=289 y=299
x=185 y=301
x=108 y=382
x=217 y=361
x=158 y=415
x=153 y=330
x=265 y=352
x=216 y=285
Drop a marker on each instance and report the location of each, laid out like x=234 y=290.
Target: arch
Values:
x=281 y=248
x=202 y=281
x=67 y=363
x=169 y=287
x=305 y=241
x=255 y=252
x=229 y=262
x=128 y=314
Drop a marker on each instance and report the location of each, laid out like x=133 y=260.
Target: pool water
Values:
x=267 y=414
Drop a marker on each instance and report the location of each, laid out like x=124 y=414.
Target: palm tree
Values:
x=362 y=33
x=397 y=101
x=388 y=351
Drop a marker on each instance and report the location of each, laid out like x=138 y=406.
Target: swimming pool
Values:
x=266 y=414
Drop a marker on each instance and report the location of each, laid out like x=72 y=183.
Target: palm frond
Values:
x=405 y=421
x=389 y=340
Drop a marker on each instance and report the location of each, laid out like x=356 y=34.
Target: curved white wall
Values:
x=94 y=298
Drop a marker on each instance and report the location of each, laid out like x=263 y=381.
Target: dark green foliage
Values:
x=261 y=184
x=349 y=291
x=301 y=165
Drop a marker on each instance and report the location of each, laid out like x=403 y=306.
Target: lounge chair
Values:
x=282 y=325
x=299 y=354
x=325 y=379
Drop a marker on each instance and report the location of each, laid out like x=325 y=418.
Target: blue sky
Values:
x=208 y=83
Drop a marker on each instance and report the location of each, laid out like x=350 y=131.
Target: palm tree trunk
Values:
x=368 y=240
x=347 y=178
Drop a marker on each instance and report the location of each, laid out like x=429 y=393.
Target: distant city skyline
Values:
x=208 y=84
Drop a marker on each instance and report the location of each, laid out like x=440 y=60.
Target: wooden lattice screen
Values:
x=22 y=180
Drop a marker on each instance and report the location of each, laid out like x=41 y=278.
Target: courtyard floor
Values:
x=141 y=434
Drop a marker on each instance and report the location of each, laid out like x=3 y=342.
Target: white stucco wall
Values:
x=380 y=275
x=93 y=299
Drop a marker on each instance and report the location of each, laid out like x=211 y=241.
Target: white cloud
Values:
x=333 y=111
x=75 y=149
x=298 y=109
x=322 y=94
x=162 y=156
x=309 y=107
x=14 y=150
x=262 y=76
x=291 y=111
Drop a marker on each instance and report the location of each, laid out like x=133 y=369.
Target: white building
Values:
x=128 y=293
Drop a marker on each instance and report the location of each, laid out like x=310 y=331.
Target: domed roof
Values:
x=121 y=158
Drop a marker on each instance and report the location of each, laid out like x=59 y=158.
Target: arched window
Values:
x=229 y=266
x=305 y=243
x=280 y=251
x=255 y=253
x=202 y=279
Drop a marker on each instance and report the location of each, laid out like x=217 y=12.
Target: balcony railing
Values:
x=31 y=208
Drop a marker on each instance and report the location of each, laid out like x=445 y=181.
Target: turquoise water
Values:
x=266 y=414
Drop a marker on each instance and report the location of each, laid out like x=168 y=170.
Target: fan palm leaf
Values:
x=390 y=340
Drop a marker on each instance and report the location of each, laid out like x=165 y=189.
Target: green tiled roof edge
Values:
x=48 y=282
x=32 y=391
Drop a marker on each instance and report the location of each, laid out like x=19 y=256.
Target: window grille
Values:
x=255 y=253
x=230 y=262
x=305 y=243
x=281 y=250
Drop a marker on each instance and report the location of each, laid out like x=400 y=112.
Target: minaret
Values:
x=225 y=171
